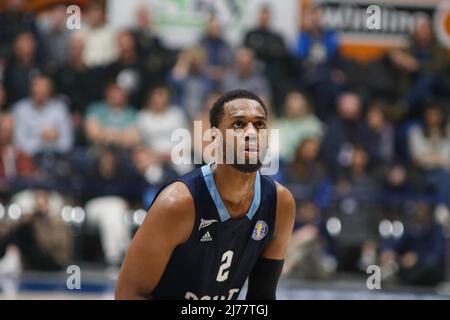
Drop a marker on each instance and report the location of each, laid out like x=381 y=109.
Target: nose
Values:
x=250 y=133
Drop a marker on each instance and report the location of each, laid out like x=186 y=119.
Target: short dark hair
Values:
x=216 y=113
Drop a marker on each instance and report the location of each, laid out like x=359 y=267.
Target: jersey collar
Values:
x=223 y=212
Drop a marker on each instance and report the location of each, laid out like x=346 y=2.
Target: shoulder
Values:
x=58 y=104
x=416 y=133
x=131 y=111
x=176 y=203
x=22 y=105
x=143 y=115
x=285 y=212
x=175 y=196
x=285 y=199
x=95 y=108
x=177 y=113
x=172 y=214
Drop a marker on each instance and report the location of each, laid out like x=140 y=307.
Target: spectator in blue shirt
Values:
x=316 y=53
x=43 y=122
x=218 y=51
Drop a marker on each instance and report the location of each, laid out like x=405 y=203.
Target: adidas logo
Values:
x=205 y=223
x=206 y=237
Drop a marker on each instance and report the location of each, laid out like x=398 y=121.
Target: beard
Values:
x=247 y=167
x=242 y=163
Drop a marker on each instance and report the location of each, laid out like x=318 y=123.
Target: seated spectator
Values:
x=400 y=183
x=296 y=124
x=14 y=163
x=113 y=121
x=310 y=252
x=22 y=66
x=110 y=188
x=306 y=169
x=157 y=121
x=78 y=84
x=417 y=258
x=190 y=80
x=43 y=122
x=108 y=175
x=317 y=55
x=245 y=76
x=40 y=240
x=156 y=58
x=356 y=178
x=100 y=46
x=429 y=147
x=109 y=215
x=270 y=48
x=154 y=174
x=344 y=132
x=127 y=70
x=423 y=67
x=356 y=194
x=76 y=81
x=218 y=51
x=14 y=19
x=383 y=132
x=56 y=36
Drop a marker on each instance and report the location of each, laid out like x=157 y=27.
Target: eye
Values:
x=260 y=125
x=238 y=124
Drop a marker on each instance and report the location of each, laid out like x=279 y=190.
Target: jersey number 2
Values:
x=227 y=257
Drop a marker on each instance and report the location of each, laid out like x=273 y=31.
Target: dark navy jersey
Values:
x=220 y=253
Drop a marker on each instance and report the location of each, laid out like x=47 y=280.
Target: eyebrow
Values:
x=243 y=117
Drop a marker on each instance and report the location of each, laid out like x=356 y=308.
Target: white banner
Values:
x=180 y=22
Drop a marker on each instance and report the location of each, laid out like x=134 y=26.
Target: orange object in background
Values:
x=398 y=16
x=38 y=5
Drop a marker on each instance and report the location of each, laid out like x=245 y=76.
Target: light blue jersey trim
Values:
x=223 y=212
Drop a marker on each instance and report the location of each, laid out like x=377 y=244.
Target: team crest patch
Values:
x=260 y=230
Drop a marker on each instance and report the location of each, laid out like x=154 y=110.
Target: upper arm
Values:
x=169 y=223
x=284 y=224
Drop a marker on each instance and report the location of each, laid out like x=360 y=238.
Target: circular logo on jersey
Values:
x=260 y=230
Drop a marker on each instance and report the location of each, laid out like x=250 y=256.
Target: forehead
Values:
x=243 y=107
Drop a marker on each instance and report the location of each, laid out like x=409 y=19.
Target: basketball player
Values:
x=220 y=224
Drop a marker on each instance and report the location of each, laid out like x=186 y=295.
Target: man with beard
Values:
x=219 y=224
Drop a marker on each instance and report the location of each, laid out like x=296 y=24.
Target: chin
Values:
x=247 y=168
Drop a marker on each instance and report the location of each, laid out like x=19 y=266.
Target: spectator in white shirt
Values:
x=100 y=42
x=43 y=122
x=156 y=123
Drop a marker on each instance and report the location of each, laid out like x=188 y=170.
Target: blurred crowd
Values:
x=86 y=119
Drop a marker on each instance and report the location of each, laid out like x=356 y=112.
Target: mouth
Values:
x=250 y=150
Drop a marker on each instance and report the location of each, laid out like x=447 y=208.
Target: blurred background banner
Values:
x=181 y=22
x=398 y=18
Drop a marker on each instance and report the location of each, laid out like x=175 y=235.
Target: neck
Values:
x=77 y=63
x=235 y=187
x=26 y=61
x=357 y=171
x=39 y=103
x=129 y=57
